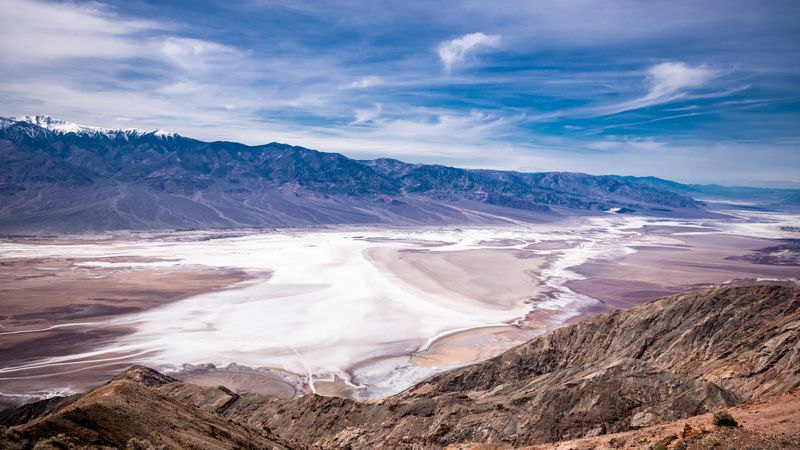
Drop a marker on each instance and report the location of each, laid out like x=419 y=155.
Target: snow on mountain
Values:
x=59 y=126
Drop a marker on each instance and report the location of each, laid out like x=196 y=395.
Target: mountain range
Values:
x=62 y=177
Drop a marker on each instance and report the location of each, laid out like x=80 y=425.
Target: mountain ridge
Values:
x=73 y=179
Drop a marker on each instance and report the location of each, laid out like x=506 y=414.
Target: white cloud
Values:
x=367 y=115
x=453 y=52
x=617 y=144
x=36 y=33
x=670 y=79
x=197 y=54
x=33 y=32
x=182 y=87
x=666 y=83
x=365 y=82
x=422 y=135
x=699 y=162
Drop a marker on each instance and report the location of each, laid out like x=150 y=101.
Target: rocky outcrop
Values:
x=131 y=408
x=672 y=358
x=34 y=410
x=144 y=375
x=765 y=423
x=743 y=339
x=669 y=359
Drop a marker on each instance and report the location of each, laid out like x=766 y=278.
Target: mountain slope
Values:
x=672 y=358
x=742 y=197
x=765 y=423
x=59 y=176
x=669 y=359
x=130 y=407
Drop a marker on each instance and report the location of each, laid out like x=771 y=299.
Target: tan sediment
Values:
x=472 y=345
x=479 y=344
x=500 y=278
x=43 y=292
x=552 y=245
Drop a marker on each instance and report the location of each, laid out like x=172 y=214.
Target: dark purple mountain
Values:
x=61 y=177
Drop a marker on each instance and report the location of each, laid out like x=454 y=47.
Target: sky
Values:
x=695 y=91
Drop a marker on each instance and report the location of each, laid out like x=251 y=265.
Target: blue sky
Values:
x=697 y=91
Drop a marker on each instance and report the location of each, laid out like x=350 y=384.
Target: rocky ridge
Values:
x=667 y=360
x=62 y=177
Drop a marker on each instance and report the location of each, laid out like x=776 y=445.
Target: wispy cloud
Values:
x=453 y=52
x=197 y=55
x=671 y=78
x=88 y=62
x=667 y=82
x=643 y=122
x=428 y=136
x=365 y=82
x=35 y=32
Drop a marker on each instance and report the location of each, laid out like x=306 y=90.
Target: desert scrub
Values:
x=724 y=419
x=710 y=442
x=11 y=440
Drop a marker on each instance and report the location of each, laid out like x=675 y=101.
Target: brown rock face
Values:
x=670 y=359
x=131 y=408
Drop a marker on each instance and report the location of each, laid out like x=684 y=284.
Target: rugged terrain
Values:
x=667 y=360
x=131 y=408
x=64 y=177
x=764 y=424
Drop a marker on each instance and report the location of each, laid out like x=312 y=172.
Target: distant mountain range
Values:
x=61 y=177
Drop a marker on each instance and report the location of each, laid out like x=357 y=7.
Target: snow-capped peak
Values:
x=59 y=126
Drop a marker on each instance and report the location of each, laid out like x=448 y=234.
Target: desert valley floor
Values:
x=358 y=312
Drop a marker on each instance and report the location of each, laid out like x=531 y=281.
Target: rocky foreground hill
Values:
x=667 y=360
x=62 y=177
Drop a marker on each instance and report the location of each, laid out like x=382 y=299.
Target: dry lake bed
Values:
x=359 y=312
